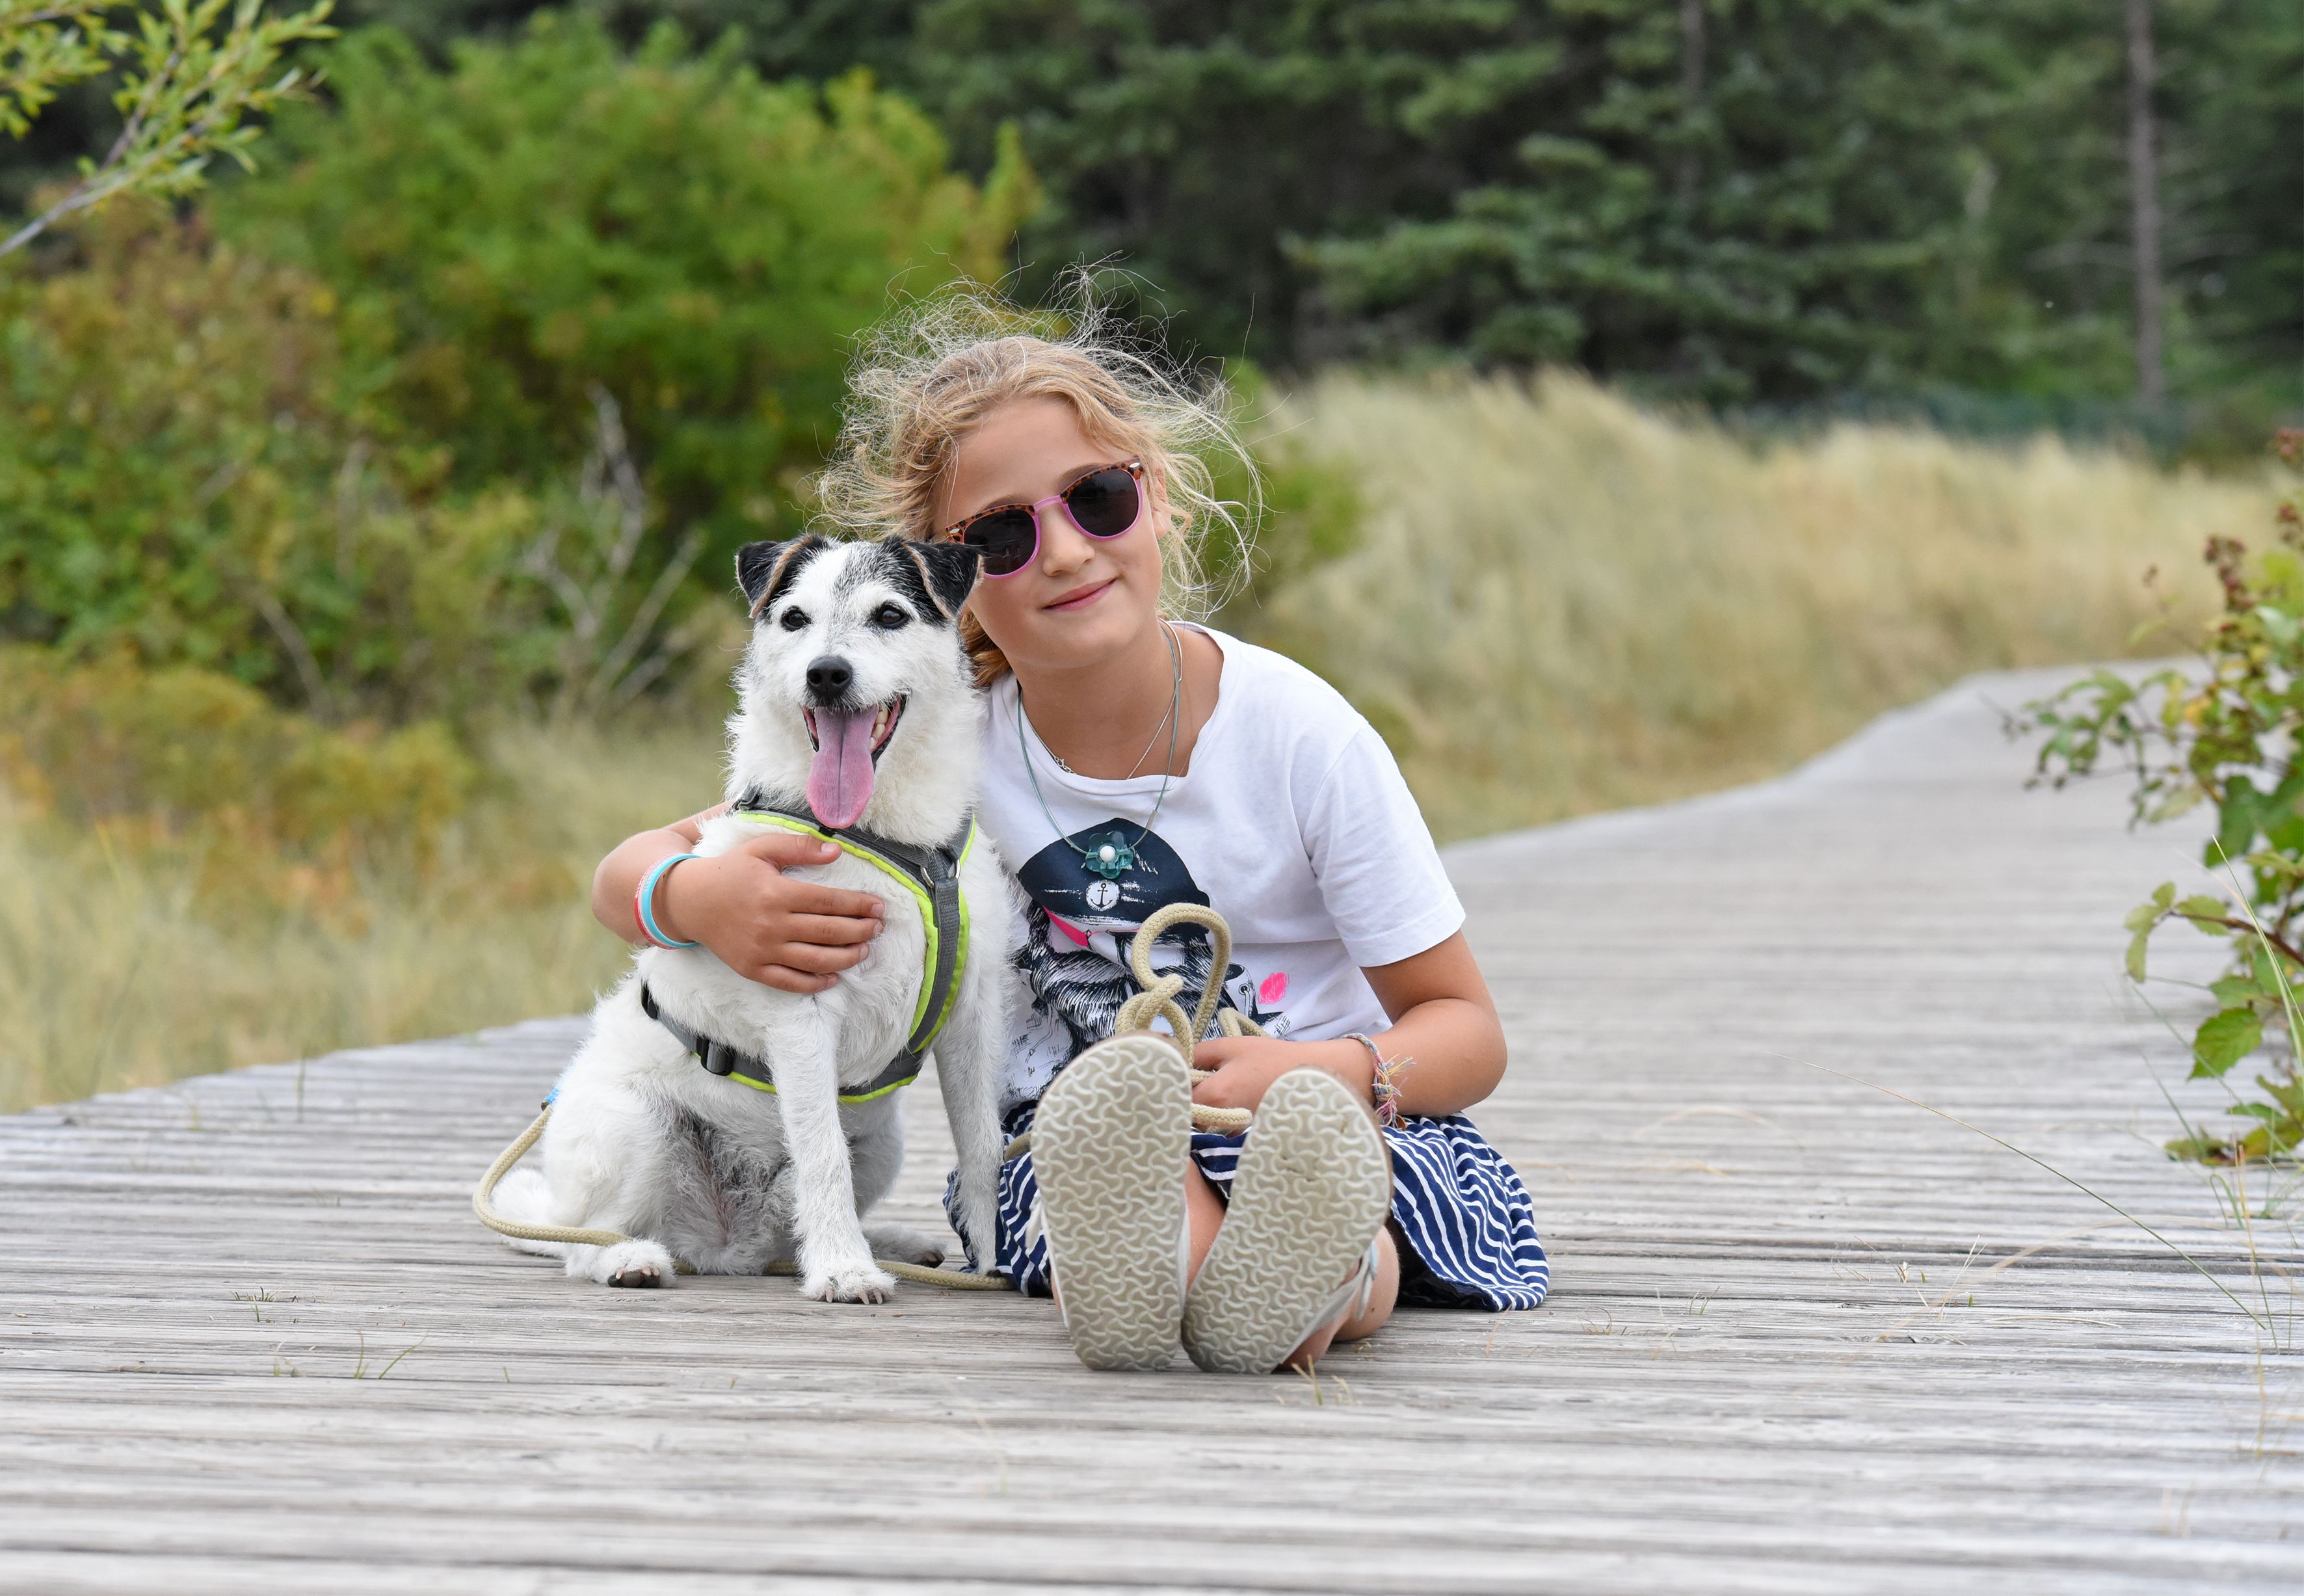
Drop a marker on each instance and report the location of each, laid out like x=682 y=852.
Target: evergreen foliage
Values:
x=1764 y=203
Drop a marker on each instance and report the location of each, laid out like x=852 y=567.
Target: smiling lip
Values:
x=1079 y=598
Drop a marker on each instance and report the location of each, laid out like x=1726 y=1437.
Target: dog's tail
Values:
x=524 y=1198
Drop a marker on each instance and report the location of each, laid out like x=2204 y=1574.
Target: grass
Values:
x=1556 y=603
x=123 y=963
x=1560 y=603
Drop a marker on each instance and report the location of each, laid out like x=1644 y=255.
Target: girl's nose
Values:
x=1063 y=546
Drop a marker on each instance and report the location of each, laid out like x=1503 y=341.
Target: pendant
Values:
x=1110 y=858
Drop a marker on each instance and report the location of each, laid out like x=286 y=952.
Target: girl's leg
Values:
x=1356 y=1325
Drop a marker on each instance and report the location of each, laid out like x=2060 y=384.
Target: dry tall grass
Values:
x=1562 y=603
x=1559 y=604
x=119 y=967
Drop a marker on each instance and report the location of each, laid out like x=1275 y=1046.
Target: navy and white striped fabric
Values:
x=1468 y=1222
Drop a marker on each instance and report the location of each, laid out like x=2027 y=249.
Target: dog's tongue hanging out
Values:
x=839 y=776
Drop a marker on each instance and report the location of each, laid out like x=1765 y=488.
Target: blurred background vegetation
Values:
x=1648 y=393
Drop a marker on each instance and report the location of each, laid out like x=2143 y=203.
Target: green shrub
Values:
x=550 y=216
x=178 y=750
x=2224 y=735
x=467 y=398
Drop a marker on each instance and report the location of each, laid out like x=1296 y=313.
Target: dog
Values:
x=856 y=709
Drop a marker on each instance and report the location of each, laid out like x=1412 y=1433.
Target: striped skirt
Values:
x=1466 y=1219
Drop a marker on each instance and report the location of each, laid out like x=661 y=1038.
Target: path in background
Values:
x=1777 y=1357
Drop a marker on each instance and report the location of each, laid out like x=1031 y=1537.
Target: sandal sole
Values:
x=1313 y=1187
x=1111 y=1149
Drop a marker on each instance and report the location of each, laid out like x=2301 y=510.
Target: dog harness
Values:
x=932 y=876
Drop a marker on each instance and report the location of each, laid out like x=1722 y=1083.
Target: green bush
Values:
x=466 y=397
x=2223 y=736
x=179 y=749
x=550 y=216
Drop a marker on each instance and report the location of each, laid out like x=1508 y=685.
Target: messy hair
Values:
x=924 y=381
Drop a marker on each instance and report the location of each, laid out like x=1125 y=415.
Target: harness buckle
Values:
x=713 y=1057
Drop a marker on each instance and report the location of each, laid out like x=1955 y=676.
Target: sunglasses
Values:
x=1103 y=502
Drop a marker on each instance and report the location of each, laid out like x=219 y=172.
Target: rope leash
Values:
x=1157 y=1000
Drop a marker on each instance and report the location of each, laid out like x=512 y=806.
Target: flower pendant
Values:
x=1110 y=857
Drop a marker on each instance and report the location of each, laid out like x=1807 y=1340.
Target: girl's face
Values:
x=1081 y=598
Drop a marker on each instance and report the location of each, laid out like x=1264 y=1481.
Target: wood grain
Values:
x=1804 y=1337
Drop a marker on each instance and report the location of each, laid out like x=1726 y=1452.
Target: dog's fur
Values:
x=723 y=1175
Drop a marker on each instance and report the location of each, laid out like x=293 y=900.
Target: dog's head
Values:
x=856 y=668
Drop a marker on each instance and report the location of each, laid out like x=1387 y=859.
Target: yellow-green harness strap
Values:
x=932 y=876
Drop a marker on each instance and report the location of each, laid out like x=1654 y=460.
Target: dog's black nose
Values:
x=828 y=679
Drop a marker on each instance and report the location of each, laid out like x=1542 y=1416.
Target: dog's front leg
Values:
x=835 y=1262
x=967 y=1068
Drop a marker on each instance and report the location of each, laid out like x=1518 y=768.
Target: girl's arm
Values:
x=780 y=931
x=1443 y=1018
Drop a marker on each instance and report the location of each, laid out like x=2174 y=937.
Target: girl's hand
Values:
x=1246 y=1066
x=796 y=936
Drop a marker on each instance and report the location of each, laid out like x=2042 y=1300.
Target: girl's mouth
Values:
x=1081 y=598
x=848 y=745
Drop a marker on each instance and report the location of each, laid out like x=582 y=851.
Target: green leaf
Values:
x=2135 y=960
x=2144 y=916
x=2233 y=991
x=2223 y=1039
x=2204 y=906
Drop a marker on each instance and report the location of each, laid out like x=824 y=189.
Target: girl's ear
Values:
x=947 y=571
x=764 y=570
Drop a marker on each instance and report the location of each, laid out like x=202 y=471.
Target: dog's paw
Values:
x=848 y=1283
x=905 y=1245
x=638 y=1263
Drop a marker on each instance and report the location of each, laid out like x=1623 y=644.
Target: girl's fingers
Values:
x=808 y=897
x=812 y=959
x=785 y=979
x=829 y=930
x=784 y=848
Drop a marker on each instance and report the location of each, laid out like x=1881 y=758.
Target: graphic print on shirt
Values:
x=1081 y=922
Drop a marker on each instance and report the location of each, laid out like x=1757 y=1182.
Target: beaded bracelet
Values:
x=644 y=903
x=1383 y=1085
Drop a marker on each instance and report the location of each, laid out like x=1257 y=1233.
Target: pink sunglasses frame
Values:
x=957 y=531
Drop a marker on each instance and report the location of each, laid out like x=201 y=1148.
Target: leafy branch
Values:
x=2224 y=734
x=192 y=74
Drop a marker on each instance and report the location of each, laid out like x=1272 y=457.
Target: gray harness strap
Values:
x=936 y=872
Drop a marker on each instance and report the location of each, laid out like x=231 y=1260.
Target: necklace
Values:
x=1149 y=742
x=1113 y=854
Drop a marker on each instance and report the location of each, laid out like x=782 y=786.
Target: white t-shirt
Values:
x=1293 y=823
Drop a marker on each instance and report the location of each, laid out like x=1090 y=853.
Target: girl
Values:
x=1134 y=760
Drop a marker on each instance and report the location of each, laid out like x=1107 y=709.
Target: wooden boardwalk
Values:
x=251 y=1338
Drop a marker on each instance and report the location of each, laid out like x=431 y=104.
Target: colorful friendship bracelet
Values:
x=644 y=903
x=1384 y=1086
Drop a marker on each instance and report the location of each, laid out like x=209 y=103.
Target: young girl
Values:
x=1132 y=761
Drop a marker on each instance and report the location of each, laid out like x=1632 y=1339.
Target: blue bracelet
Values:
x=644 y=903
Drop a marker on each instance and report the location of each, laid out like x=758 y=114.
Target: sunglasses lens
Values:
x=1103 y=505
x=1006 y=540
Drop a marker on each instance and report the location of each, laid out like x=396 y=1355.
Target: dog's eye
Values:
x=794 y=620
x=889 y=616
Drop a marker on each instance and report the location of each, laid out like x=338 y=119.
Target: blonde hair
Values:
x=923 y=382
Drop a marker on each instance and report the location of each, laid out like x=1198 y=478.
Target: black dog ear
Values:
x=947 y=571
x=764 y=570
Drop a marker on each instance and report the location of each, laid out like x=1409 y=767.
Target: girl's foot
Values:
x=1312 y=1189
x=1111 y=1149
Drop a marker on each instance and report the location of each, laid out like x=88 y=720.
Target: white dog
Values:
x=732 y=1125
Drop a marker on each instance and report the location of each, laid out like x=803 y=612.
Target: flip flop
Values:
x=1311 y=1195
x=1111 y=1149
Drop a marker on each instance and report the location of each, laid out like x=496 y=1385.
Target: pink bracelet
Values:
x=1384 y=1087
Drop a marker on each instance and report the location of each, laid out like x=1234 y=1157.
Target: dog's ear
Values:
x=764 y=570
x=947 y=570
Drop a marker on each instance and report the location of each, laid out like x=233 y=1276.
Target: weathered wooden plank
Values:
x=1805 y=1338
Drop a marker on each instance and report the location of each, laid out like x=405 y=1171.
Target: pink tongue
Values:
x=839 y=778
